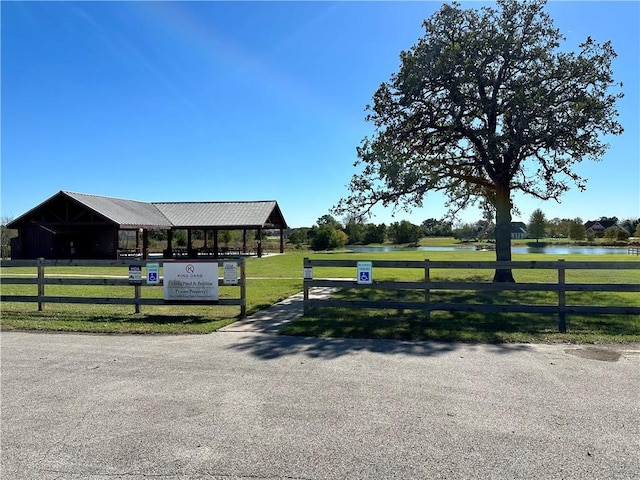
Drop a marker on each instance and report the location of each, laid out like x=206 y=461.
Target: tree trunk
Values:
x=503 y=233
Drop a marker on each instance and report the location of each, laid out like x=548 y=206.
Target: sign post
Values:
x=135 y=279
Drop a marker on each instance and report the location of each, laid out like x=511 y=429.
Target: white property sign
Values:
x=191 y=281
x=230 y=273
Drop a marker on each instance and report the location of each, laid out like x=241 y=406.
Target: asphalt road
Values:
x=254 y=406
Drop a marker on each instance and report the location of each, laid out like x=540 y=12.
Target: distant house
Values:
x=597 y=227
x=518 y=230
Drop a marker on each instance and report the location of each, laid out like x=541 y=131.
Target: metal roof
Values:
x=126 y=213
x=259 y=214
x=135 y=214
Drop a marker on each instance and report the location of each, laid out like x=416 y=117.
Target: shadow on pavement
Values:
x=269 y=347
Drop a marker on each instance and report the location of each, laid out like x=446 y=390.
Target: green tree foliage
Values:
x=485 y=229
x=330 y=221
x=558 y=227
x=610 y=233
x=576 y=229
x=158 y=235
x=616 y=233
x=180 y=238
x=537 y=224
x=375 y=233
x=484 y=104
x=630 y=224
x=465 y=232
x=355 y=231
x=298 y=236
x=636 y=233
x=433 y=227
x=622 y=235
x=225 y=236
x=404 y=232
x=6 y=235
x=326 y=237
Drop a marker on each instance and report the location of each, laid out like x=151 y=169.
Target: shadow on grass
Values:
x=270 y=347
x=412 y=326
x=156 y=319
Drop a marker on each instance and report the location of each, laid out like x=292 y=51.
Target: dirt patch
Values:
x=594 y=353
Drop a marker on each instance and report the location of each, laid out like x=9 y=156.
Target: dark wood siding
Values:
x=37 y=242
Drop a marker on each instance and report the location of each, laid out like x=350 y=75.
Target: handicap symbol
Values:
x=364 y=276
x=153 y=276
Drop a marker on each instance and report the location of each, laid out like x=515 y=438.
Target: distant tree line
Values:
x=329 y=233
x=574 y=229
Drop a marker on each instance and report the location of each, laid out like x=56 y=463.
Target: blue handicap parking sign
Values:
x=364 y=273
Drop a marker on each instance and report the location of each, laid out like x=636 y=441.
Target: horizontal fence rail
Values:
x=427 y=285
x=41 y=280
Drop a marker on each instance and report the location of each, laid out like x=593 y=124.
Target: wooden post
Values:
x=137 y=290
x=170 y=243
x=305 y=294
x=40 y=284
x=116 y=242
x=243 y=288
x=562 y=320
x=281 y=240
x=427 y=292
x=145 y=244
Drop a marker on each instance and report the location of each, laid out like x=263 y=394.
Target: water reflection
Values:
x=566 y=250
x=549 y=250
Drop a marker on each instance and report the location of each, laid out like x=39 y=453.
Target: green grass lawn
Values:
x=475 y=327
x=274 y=278
x=469 y=327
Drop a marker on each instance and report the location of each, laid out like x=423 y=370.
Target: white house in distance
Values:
x=597 y=227
x=519 y=230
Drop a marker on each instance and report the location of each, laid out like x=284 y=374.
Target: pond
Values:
x=548 y=250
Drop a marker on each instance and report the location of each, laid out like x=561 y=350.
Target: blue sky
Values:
x=210 y=101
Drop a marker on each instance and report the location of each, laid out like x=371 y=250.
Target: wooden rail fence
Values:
x=42 y=280
x=428 y=285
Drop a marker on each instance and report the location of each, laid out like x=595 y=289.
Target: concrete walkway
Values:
x=272 y=319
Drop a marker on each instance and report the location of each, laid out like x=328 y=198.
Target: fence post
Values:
x=243 y=288
x=137 y=290
x=40 y=284
x=562 y=302
x=427 y=299
x=305 y=290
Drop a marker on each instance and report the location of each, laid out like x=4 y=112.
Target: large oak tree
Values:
x=484 y=104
